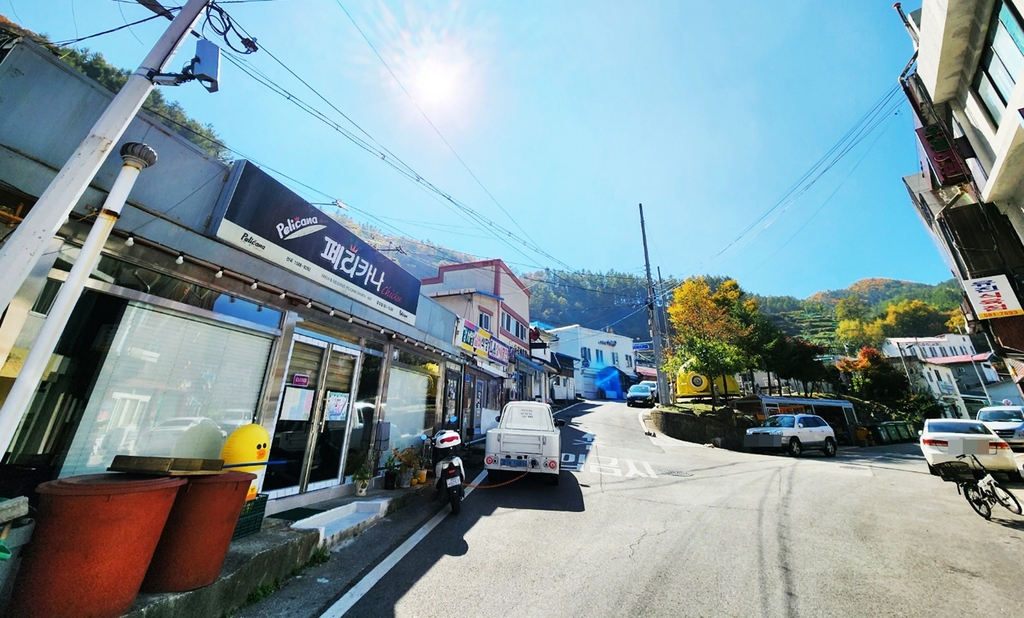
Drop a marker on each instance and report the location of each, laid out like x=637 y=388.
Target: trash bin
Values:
x=19 y=534
x=902 y=429
x=94 y=538
x=881 y=435
x=894 y=434
x=195 y=540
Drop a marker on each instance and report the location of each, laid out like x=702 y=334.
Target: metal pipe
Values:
x=136 y=158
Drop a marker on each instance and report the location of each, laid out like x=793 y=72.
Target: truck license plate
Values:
x=514 y=463
x=453 y=482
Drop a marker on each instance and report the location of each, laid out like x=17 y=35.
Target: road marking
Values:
x=586 y=441
x=608 y=466
x=350 y=598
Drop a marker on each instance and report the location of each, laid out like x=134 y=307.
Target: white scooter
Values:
x=449 y=471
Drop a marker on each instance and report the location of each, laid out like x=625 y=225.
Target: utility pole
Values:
x=26 y=245
x=663 y=329
x=652 y=309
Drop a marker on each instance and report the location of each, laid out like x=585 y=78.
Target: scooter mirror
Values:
x=453 y=420
x=423 y=437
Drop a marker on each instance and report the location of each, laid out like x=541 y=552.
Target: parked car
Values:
x=653 y=385
x=640 y=395
x=944 y=438
x=793 y=433
x=1007 y=422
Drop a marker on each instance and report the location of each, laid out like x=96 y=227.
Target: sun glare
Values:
x=437 y=83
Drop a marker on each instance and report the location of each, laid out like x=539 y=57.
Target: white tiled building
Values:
x=601 y=355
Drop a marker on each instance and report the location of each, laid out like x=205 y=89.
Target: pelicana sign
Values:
x=265 y=218
x=476 y=340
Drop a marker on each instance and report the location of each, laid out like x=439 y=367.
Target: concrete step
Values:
x=344 y=522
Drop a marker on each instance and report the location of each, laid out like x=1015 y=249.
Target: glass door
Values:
x=295 y=418
x=333 y=419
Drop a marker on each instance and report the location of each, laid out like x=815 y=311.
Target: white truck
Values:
x=527 y=439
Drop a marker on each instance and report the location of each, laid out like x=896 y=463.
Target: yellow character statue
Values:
x=248 y=444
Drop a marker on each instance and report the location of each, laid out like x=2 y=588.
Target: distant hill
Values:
x=878 y=292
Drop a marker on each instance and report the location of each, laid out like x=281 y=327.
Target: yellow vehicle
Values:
x=690 y=384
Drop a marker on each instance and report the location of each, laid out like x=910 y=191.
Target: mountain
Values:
x=878 y=292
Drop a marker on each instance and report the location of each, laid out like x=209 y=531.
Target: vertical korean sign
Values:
x=992 y=297
x=265 y=218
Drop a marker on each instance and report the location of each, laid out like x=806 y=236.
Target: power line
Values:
x=112 y=30
x=432 y=125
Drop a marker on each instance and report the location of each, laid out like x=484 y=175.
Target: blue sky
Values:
x=570 y=113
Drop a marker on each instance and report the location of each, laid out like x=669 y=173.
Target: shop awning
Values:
x=491 y=371
x=647 y=372
x=529 y=363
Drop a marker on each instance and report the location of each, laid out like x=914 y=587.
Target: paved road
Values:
x=657 y=527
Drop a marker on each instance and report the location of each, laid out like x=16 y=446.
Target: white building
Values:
x=965 y=86
x=606 y=365
x=948 y=368
x=924 y=348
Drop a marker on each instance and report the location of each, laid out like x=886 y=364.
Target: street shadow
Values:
x=532 y=492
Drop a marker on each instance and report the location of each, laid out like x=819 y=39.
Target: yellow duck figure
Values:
x=248 y=444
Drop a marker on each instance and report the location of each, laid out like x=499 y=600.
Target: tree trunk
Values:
x=725 y=389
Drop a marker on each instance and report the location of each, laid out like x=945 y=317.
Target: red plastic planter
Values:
x=195 y=541
x=94 y=538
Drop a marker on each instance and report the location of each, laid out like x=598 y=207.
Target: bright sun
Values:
x=436 y=83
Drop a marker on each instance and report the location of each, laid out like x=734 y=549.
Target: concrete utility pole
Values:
x=137 y=157
x=652 y=312
x=28 y=242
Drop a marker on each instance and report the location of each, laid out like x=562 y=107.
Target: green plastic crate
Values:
x=251 y=519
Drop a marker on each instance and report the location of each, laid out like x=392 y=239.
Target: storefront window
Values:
x=170 y=385
x=412 y=399
x=362 y=412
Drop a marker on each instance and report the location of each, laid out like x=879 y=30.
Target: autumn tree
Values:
x=706 y=327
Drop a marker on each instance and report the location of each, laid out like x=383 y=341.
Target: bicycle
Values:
x=981 y=493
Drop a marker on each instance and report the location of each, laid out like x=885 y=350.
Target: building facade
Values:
x=948 y=368
x=606 y=365
x=493 y=306
x=964 y=85
x=221 y=298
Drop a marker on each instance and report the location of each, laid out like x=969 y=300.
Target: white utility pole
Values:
x=26 y=245
x=137 y=157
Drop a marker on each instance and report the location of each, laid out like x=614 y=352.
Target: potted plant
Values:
x=407 y=464
x=390 y=471
x=422 y=464
x=361 y=477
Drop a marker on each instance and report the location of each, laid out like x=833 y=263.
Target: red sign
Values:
x=300 y=379
x=945 y=162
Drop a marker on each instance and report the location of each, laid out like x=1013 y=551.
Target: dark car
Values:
x=640 y=395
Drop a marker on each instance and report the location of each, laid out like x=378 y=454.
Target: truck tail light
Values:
x=552 y=464
x=489 y=460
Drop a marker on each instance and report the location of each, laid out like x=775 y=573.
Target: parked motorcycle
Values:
x=449 y=471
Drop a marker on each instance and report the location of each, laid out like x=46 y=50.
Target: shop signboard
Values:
x=642 y=346
x=478 y=341
x=265 y=218
x=992 y=297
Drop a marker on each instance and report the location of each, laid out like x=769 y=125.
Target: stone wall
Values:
x=721 y=428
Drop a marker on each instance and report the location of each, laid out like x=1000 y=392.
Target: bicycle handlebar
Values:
x=976 y=460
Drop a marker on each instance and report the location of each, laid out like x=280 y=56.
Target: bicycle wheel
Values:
x=977 y=500
x=1005 y=498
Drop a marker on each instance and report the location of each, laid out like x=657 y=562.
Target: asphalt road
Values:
x=658 y=527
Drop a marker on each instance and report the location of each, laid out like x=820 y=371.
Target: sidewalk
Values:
x=305 y=558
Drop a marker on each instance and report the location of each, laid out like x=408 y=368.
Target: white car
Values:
x=944 y=438
x=653 y=385
x=1007 y=422
x=793 y=433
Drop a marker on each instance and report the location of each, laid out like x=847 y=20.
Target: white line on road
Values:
x=643 y=426
x=364 y=585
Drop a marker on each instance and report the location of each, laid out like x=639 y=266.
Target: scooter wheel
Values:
x=456 y=501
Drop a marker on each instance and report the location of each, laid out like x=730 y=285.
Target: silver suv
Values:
x=793 y=433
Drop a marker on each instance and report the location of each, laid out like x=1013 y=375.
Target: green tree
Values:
x=851 y=308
